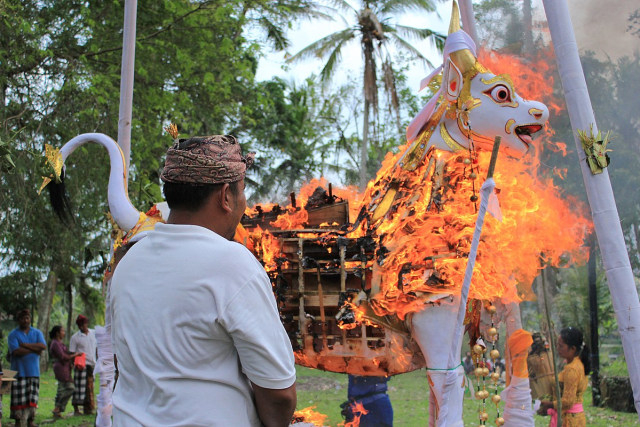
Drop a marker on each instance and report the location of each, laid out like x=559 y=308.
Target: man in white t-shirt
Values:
x=195 y=326
x=83 y=341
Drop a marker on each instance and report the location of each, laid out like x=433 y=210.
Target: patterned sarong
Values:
x=80 y=381
x=24 y=393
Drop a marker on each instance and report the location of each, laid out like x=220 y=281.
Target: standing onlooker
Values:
x=573 y=377
x=541 y=377
x=371 y=393
x=62 y=360
x=25 y=345
x=84 y=341
x=195 y=325
x=468 y=364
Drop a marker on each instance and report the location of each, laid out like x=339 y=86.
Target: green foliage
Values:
x=571 y=303
x=60 y=77
x=291 y=129
x=375 y=29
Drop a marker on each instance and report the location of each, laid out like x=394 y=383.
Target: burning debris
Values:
x=321 y=277
x=348 y=268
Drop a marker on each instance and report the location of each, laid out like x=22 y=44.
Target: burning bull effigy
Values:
x=378 y=293
x=371 y=284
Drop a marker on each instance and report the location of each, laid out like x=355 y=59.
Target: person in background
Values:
x=62 y=360
x=25 y=345
x=468 y=364
x=195 y=327
x=84 y=341
x=540 y=369
x=371 y=393
x=573 y=377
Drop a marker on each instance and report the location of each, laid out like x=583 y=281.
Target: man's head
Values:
x=23 y=317
x=83 y=323
x=204 y=182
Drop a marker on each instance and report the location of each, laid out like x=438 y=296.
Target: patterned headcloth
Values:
x=81 y=319
x=214 y=159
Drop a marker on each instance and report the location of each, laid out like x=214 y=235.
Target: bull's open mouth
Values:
x=526 y=132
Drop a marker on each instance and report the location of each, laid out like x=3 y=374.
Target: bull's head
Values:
x=472 y=104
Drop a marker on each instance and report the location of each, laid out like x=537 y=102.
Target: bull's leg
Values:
x=433 y=329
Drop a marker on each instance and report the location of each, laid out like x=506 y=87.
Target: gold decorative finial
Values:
x=172 y=130
x=53 y=166
x=454 y=25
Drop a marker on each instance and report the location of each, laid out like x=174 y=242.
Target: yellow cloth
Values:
x=574 y=383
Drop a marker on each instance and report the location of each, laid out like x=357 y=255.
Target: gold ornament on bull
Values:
x=52 y=168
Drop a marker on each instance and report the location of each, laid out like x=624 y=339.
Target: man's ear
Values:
x=225 y=198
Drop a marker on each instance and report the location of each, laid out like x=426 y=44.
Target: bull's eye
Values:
x=500 y=93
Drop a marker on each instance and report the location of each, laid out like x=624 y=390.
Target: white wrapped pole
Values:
x=468 y=21
x=126 y=81
x=485 y=191
x=603 y=207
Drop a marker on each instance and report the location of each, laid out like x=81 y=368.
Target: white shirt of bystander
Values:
x=84 y=343
x=194 y=320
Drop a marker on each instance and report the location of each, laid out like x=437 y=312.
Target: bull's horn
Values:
x=454 y=25
x=464 y=59
x=123 y=212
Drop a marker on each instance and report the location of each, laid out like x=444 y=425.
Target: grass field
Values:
x=326 y=390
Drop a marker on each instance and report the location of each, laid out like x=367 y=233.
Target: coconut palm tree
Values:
x=376 y=31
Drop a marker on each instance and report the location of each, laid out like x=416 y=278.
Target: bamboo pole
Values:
x=552 y=343
x=486 y=190
x=606 y=221
x=126 y=81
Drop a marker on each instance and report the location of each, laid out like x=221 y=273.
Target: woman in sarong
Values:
x=62 y=369
x=573 y=380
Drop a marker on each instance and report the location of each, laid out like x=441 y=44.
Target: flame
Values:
x=358 y=411
x=308 y=415
x=429 y=238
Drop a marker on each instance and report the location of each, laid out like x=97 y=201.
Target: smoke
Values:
x=601 y=26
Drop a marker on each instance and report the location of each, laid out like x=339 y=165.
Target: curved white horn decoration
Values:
x=123 y=212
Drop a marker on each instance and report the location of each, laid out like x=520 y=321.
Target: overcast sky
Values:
x=598 y=27
x=307 y=32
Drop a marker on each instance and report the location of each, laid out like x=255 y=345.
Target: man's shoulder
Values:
x=37 y=332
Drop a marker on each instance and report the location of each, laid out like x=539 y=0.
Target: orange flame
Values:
x=429 y=242
x=358 y=411
x=308 y=415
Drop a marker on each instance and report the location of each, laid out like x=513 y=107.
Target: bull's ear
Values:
x=453 y=82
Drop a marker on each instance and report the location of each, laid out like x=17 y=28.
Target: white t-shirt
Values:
x=84 y=343
x=194 y=319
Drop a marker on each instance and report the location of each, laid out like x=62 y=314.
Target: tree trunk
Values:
x=593 y=324
x=69 y=308
x=364 y=147
x=44 y=311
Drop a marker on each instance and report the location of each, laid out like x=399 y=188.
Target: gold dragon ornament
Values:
x=595 y=147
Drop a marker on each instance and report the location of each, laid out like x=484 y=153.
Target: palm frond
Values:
x=342 y=5
x=402 y=6
x=333 y=60
x=274 y=33
x=403 y=44
x=420 y=33
x=320 y=48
